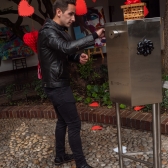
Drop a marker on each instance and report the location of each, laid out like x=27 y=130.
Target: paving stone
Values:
x=29 y=143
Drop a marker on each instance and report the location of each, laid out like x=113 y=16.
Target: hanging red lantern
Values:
x=81 y=7
x=24 y=9
x=30 y=39
x=94 y=0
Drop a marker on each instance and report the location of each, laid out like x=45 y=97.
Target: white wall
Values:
x=32 y=60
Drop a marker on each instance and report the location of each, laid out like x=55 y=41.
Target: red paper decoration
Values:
x=137 y=108
x=31 y=40
x=96 y=127
x=132 y=2
x=24 y=9
x=146 y=11
x=94 y=104
x=81 y=7
x=39 y=71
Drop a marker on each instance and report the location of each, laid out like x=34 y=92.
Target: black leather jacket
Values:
x=55 y=49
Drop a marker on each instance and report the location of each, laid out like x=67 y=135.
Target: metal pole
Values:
x=159 y=136
x=155 y=136
x=137 y=160
x=119 y=136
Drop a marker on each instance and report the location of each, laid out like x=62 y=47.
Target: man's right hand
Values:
x=100 y=32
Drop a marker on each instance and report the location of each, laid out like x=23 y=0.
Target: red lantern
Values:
x=94 y=0
x=31 y=40
x=81 y=7
x=24 y=9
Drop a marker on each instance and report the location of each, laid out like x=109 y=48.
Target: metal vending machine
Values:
x=134 y=68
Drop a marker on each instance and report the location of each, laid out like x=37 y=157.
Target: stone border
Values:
x=129 y=119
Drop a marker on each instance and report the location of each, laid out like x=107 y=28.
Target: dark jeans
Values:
x=64 y=105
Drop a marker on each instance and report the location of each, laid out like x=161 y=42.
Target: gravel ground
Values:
x=30 y=144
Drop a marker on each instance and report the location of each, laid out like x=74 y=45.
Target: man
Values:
x=55 y=48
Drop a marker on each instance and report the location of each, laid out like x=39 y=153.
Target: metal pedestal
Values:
x=156 y=139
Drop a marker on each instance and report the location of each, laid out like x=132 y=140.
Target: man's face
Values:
x=67 y=17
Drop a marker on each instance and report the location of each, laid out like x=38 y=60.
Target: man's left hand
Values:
x=83 y=58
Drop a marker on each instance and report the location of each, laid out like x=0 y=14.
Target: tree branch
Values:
x=48 y=6
x=19 y=21
x=6 y=22
x=16 y=1
x=40 y=10
x=30 y=1
x=34 y=16
x=15 y=29
x=9 y=12
x=37 y=19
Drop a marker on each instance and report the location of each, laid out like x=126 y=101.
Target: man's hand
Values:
x=83 y=58
x=100 y=32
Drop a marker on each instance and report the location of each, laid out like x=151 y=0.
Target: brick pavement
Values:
x=129 y=119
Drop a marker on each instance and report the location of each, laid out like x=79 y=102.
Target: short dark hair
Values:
x=62 y=4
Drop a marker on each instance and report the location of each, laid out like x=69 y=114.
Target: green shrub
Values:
x=98 y=93
x=9 y=93
x=87 y=72
x=37 y=83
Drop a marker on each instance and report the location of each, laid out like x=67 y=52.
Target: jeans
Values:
x=65 y=108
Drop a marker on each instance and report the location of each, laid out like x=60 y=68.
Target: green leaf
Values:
x=89 y=87
x=88 y=100
x=166 y=93
x=79 y=99
x=122 y=106
x=95 y=95
x=109 y=106
x=96 y=88
x=105 y=98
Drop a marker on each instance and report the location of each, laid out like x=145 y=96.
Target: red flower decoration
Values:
x=132 y=2
x=81 y=7
x=24 y=9
x=31 y=40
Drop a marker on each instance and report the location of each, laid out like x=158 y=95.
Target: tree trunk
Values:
x=165 y=51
